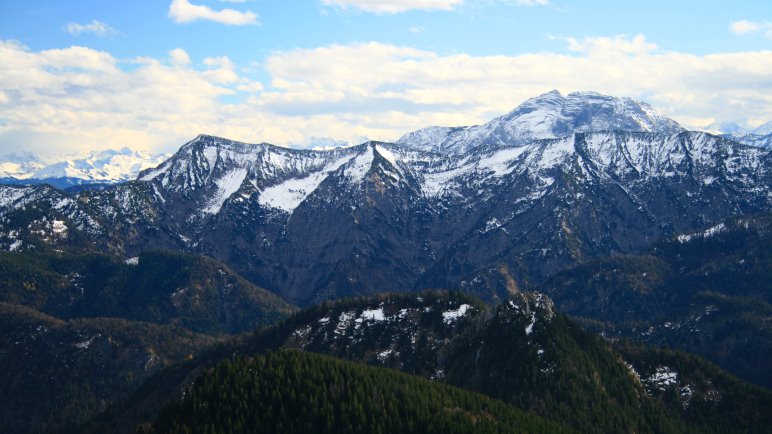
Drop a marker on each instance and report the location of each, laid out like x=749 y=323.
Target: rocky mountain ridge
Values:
x=412 y=219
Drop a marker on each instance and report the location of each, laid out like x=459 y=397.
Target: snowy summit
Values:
x=547 y=116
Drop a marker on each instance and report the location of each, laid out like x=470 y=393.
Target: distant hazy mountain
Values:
x=764 y=130
x=20 y=165
x=105 y=167
x=547 y=116
x=761 y=136
x=720 y=128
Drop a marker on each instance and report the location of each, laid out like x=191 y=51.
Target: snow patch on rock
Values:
x=227 y=185
x=451 y=316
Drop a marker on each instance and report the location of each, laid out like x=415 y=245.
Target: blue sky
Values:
x=83 y=75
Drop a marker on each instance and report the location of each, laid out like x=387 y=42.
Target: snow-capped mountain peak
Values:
x=547 y=116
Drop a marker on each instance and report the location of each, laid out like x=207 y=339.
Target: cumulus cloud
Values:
x=83 y=97
x=95 y=27
x=79 y=97
x=179 y=57
x=183 y=12
x=744 y=27
x=424 y=85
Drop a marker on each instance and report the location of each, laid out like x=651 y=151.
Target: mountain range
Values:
x=489 y=220
x=551 y=115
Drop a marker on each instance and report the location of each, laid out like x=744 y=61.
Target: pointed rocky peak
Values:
x=357 y=168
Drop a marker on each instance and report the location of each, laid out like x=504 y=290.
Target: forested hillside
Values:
x=296 y=392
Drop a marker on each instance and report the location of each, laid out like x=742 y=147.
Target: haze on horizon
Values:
x=150 y=75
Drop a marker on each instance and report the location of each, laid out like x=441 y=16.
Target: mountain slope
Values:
x=704 y=395
x=197 y=293
x=707 y=292
x=56 y=374
x=293 y=392
x=523 y=352
x=114 y=322
x=547 y=116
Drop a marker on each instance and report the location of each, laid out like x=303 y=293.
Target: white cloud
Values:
x=251 y=87
x=744 y=27
x=98 y=28
x=77 y=98
x=222 y=70
x=80 y=97
x=183 y=12
x=179 y=57
x=417 y=29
